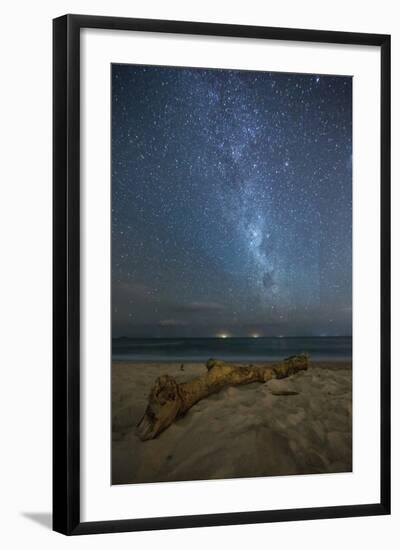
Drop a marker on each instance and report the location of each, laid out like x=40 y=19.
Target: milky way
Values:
x=231 y=202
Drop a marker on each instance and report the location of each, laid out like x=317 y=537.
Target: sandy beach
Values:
x=243 y=431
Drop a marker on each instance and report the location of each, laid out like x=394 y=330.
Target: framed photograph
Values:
x=221 y=274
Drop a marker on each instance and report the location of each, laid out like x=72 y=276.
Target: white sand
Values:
x=241 y=431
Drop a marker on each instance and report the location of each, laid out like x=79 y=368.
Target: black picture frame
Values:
x=66 y=273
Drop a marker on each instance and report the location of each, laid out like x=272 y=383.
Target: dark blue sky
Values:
x=231 y=203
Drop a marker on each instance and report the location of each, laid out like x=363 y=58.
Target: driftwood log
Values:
x=169 y=400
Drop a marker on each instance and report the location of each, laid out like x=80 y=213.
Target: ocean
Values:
x=338 y=348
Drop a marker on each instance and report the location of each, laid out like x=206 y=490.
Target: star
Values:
x=231 y=202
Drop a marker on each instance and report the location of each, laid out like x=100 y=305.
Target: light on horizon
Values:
x=223 y=335
x=255 y=335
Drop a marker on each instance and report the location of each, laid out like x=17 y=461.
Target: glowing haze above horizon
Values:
x=231 y=203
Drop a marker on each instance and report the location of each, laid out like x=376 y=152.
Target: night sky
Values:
x=231 y=203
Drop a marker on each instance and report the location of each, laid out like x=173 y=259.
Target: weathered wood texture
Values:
x=169 y=400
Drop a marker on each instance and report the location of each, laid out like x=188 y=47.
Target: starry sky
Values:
x=231 y=203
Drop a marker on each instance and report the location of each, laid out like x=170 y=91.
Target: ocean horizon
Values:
x=319 y=348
